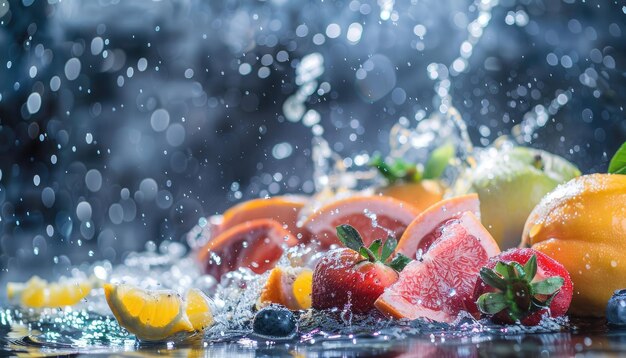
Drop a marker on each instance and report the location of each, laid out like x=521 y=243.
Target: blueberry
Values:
x=616 y=309
x=275 y=321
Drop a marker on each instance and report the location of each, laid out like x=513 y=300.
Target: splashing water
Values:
x=441 y=74
x=536 y=118
x=89 y=327
x=308 y=70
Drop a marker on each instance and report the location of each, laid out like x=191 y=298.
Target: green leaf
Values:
x=367 y=253
x=503 y=269
x=375 y=247
x=491 y=303
x=618 y=162
x=399 y=262
x=492 y=279
x=537 y=304
x=519 y=269
x=548 y=286
x=531 y=268
x=350 y=237
x=438 y=161
x=549 y=300
x=396 y=169
x=511 y=270
x=384 y=169
x=388 y=248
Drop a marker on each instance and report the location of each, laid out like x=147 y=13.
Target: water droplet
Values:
x=83 y=211
x=245 y=69
x=47 y=197
x=142 y=64
x=55 y=83
x=72 y=68
x=333 y=31
x=33 y=103
x=149 y=188
x=93 y=180
x=97 y=45
x=282 y=150
x=159 y=120
x=175 y=135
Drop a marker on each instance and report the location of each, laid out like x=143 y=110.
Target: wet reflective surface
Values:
x=81 y=333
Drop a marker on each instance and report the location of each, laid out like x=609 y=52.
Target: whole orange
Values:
x=421 y=194
x=582 y=224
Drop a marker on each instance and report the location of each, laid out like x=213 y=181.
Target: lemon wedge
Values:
x=39 y=293
x=157 y=315
x=198 y=310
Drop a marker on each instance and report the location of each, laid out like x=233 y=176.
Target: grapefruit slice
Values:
x=284 y=209
x=426 y=227
x=256 y=244
x=375 y=217
x=439 y=286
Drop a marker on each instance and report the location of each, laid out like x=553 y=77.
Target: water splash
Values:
x=441 y=73
x=533 y=120
x=310 y=68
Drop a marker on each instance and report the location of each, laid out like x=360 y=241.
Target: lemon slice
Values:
x=198 y=310
x=39 y=293
x=157 y=315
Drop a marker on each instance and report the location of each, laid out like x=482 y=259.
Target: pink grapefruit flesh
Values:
x=439 y=286
x=425 y=229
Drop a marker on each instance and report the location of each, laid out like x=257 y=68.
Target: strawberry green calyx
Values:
x=517 y=294
x=397 y=169
x=376 y=252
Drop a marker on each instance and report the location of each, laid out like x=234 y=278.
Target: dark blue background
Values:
x=232 y=122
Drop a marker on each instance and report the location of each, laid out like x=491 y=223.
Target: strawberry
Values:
x=356 y=275
x=522 y=285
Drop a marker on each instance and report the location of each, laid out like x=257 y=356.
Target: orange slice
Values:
x=288 y=286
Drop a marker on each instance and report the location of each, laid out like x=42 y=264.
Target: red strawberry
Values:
x=355 y=276
x=522 y=285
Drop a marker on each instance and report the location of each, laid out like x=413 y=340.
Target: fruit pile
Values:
x=405 y=252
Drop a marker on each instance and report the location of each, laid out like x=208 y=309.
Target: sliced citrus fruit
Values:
x=256 y=244
x=198 y=309
x=151 y=315
x=284 y=209
x=426 y=227
x=39 y=293
x=439 y=286
x=288 y=286
x=375 y=217
x=157 y=315
x=421 y=194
